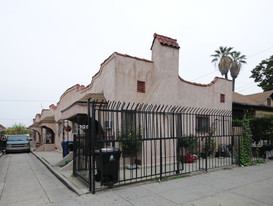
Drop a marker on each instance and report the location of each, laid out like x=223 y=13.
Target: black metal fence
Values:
x=120 y=143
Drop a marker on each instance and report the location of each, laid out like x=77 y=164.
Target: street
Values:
x=24 y=180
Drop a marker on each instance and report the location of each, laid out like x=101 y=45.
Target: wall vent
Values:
x=140 y=86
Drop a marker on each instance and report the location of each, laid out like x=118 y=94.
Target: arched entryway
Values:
x=49 y=135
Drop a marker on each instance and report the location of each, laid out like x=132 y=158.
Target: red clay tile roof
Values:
x=125 y=55
x=201 y=85
x=166 y=41
x=137 y=58
x=52 y=106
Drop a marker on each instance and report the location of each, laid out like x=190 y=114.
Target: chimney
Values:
x=165 y=55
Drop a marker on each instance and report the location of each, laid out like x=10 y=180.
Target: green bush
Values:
x=189 y=141
x=245 y=143
x=262 y=127
x=130 y=140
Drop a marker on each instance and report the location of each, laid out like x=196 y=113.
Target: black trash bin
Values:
x=107 y=160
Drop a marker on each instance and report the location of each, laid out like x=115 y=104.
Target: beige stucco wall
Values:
x=47 y=113
x=74 y=110
x=104 y=80
x=69 y=97
x=172 y=90
x=128 y=71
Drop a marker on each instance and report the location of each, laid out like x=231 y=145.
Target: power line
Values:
x=247 y=58
x=260 y=52
x=245 y=85
x=247 y=88
x=204 y=76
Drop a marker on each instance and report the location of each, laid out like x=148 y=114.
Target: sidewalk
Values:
x=50 y=159
x=231 y=186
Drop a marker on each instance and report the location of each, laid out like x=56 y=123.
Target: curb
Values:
x=63 y=179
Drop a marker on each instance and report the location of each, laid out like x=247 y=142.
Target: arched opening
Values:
x=49 y=136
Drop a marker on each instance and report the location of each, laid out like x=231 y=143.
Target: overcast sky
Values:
x=48 y=46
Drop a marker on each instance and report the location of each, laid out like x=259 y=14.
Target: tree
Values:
x=17 y=129
x=222 y=56
x=237 y=60
x=263 y=74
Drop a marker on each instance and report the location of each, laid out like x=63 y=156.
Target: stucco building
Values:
x=126 y=78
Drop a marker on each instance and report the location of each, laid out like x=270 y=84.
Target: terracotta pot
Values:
x=67 y=128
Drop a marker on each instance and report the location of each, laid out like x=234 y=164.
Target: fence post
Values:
x=239 y=149
x=89 y=144
x=232 y=144
x=74 y=154
x=160 y=142
x=93 y=134
x=161 y=166
x=206 y=153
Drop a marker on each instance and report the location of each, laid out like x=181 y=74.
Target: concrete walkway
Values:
x=231 y=186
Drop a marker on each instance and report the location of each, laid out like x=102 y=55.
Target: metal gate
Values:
x=121 y=143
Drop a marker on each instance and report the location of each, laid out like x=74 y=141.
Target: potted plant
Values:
x=130 y=140
x=67 y=128
x=188 y=142
x=210 y=145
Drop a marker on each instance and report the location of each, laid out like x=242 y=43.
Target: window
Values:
x=140 y=87
x=202 y=124
x=60 y=128
x=222 y=98
x=74 y=127
x=128 y=119
x=268 y=101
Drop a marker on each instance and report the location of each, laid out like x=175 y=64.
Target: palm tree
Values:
x=237 y=60
x=222 y=57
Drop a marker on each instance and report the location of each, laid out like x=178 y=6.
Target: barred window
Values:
x=202 y=124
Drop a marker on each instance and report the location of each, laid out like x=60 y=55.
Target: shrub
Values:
x=189 y=141
x=262 y=127
x=130 y=140
x=245 y=143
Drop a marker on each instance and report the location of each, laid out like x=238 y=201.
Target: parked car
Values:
x=3 y=140
x=17 y=143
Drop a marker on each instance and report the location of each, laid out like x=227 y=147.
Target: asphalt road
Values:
x=24 y=180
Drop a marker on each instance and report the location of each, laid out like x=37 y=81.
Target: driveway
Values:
x=24 y=180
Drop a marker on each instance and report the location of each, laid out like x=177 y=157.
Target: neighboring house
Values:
x=126 y=78
x=254 y=104
x=2 y=128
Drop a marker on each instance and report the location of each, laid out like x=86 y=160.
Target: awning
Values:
x=93 y=97
x=80 y=107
